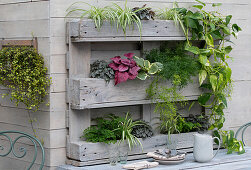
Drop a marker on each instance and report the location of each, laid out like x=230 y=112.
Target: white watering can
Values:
x=203 y=147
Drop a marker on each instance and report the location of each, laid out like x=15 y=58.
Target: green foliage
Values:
x=176 y=63
x=100 y=69
x=125 y=17
x=164 y=96
x=147 y=68
x=175 y=14
x=113 y=128
x=97 y=14
x=125 y=128
x=142 y=131
x=144 y=13
x=214 y=75
x=192 y=123
x=121 y=17
x=229 y=142
x=22 y=71
x=104 y=131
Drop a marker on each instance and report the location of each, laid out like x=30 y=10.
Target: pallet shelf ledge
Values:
x=86 y=153
x=87 y=93
x=152 y=30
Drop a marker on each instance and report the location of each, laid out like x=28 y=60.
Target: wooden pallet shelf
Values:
x=157 y=30
x=87 y=93
x=84 y=94
x=86 y=153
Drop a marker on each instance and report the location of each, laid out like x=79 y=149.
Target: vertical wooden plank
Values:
x=79 y=66
x=146 y=113
x=79 y=61
x=78 y=121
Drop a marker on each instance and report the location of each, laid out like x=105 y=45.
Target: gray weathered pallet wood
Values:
x=222 y=161
x=86 y=93
x=94 y=153
x=158 y=30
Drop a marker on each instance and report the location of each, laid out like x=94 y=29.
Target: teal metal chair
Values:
x=242 y=129
x=23 y=151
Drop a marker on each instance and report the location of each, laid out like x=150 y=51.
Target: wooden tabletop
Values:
x=222 y=161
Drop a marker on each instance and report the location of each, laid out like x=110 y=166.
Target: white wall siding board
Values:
x=28 y=11
x=58 y=102
x=58 y=64
x=58 y=83
x=20 y=29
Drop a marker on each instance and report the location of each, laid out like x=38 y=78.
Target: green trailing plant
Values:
x=101 y=70
x=178 y=67
x=176 y=62
x=22 y=71
x=147 y=68
x=142 y=131
x=229 y=142
x=164 y=98
x=214 y=75
x=144 y=13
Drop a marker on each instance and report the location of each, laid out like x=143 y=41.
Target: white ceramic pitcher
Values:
x=203 y=147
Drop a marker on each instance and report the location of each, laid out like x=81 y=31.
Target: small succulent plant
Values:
x=142 y=131
x=147 y=68
x=125 y=68
x=144 y=13
x=100 y=69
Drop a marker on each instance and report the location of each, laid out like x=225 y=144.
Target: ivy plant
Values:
x=215 y=74
x=22 y=71
x=229 y=141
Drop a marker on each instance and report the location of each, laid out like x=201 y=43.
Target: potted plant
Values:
x=116 y=133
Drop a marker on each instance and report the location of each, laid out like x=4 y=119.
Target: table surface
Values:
x=222 y=161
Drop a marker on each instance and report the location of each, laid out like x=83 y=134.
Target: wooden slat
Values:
x=7 y=43
x=95 y=93
x=222 y=161
x=88 y=153
x=85 y=31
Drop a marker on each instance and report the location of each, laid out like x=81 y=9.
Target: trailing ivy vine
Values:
x=22 y=71
x=215 y=74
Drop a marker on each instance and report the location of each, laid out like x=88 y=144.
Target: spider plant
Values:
x=175 y=14
x=125 y=17
x=97 y=14
x=126 y=127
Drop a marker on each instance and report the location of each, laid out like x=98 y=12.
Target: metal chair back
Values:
x=23 y=151
x=242 y=129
